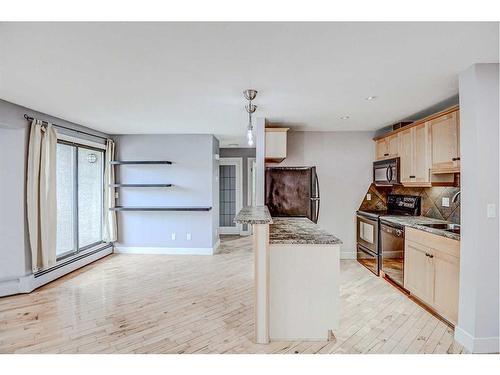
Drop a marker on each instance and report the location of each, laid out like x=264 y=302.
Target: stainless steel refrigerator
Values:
x=292 y=192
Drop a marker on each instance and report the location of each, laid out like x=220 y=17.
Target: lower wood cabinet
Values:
x=432 y=269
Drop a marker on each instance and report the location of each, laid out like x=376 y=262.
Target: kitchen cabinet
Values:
x=387 y=147
x=432 y=269
x=414 y=156
x=445 y=141
x=276 y=144
x=446 y=278
x=418 y=278
x=429 y=149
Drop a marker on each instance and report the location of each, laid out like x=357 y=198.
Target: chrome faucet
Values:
x=455 y=196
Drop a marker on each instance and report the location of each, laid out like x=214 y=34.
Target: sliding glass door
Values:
x=80 y=172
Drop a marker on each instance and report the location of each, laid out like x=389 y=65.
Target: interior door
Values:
x=230 y=194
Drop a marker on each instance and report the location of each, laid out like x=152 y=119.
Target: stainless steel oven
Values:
x=392 y=251
x=368 y=259
x=386 y=172
x=367 y=242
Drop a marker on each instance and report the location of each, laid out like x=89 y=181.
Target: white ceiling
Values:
x=189 y=77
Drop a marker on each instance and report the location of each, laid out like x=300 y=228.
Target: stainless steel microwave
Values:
x=386 y=172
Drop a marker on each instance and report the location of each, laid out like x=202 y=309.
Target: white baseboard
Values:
x=164 y=250
x=216 y=246
x=346 y=254
x=477 y=344
x=28 y=283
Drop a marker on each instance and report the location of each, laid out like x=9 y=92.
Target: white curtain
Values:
x=109 y=230
x=41 y=195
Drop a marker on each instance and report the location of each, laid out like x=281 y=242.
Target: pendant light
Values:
x=250 y=95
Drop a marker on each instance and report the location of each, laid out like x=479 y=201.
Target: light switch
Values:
x=173 y=235
x=445 y=202
x=368 y=197
x=491 y=210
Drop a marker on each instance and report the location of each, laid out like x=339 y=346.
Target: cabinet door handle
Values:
x=431 y=256
x=412 y=176
x=386 y=154
x=455 y=159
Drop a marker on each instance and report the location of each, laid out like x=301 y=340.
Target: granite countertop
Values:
x=253 y=215
x=299 y=231
x=414 y=221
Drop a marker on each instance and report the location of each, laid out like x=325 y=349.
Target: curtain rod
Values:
x=29 y=118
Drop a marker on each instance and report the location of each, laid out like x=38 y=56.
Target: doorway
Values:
x=230 y=194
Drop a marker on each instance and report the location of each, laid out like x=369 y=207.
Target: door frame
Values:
x=238 y=163
x=249 y=179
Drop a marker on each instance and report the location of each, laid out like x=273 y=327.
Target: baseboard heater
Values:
x=72 y=260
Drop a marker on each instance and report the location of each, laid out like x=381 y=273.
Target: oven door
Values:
x=392 y=247
x=367 y=233
x=368 y=259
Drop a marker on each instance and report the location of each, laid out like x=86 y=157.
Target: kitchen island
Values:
x=296 y=266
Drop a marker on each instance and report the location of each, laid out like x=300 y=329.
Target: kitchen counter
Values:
x=299 y=231
x=296 y=277
x=414 y=221
x=254 y=215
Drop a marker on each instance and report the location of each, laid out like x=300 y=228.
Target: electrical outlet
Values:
x=116 y=195
x=173 y=235
x=188 y=236
x=445 y=202
x=368 y=197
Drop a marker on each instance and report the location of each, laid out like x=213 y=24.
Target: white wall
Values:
x=192 y=173
x=15 y=254
x=343 y=162
x=478 y=320
x=15 y=258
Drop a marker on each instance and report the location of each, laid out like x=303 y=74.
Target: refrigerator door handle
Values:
x=316 y=199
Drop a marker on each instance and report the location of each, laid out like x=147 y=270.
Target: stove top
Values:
x=397 y=205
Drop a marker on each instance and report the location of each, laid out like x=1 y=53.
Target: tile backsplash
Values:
x=431 y=200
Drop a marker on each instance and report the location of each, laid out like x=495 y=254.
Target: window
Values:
x=79 y=197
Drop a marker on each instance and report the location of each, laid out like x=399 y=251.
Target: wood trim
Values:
x=416 y=184
x=277 y=129
x=421 y=121
x=445 y=170
x=274 y=160
x=430 y=310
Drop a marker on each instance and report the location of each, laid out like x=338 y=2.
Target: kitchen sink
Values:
x=454 y=228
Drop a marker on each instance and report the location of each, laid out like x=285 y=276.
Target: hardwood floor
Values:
x=201 y=304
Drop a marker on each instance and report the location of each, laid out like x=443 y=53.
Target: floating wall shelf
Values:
x=150 y=162
x=140 y=185
x=159 y=208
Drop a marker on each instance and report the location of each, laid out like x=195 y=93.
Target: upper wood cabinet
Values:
x=432 y=270
x=414 y=154
x=276 y=144
x=445 y=140
x=387 y=147
x=429 y=149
